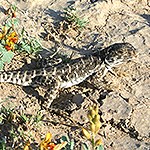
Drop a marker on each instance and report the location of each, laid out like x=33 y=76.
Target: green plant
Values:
x=7 y=114
x=8 y=118
x=38 y=117
x=73 y=18
x=70 y=142
x=24 y=118
x=5 y=56
x=11 y=41
x=3 y=144
x=8 y=36
x=46 y=144
x=28 y=44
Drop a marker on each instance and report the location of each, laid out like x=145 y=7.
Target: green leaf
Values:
x=14 y=21
x=2 y=48
x=27 y=48
x=72 y=144
x=31 y=46
x=8 y=24
x=22 y=31
x=24 y=118
x=3 y=43
x=65 y=139
x=1 y=65
x=14 y=7
x=7 y=56
x=100 y=147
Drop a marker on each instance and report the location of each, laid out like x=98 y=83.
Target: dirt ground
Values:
x=124 y=101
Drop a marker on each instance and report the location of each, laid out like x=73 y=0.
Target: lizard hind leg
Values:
x=51 y=94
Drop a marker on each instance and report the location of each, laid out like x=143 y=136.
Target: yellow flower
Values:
x=9 y=45
x=60 y=146
x=13 y=37
x=98 y=142
x=1 y=35
x=27 y=146
x=93 y=111
x=47 y=145
x=92 y=127
x=86 y=133
x=97 y=127
x=13 y=34
x=10 y=38
x=96 y=119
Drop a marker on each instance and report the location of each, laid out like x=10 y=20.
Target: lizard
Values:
x=63 y=75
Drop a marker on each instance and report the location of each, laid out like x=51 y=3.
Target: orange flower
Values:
x=51 y=146
x=11 y=40
x=47 y=145
x=15 y=39
x=8 y=47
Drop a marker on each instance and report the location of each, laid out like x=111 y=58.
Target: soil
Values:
x=124 y=101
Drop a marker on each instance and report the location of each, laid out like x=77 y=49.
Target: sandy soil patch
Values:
x=123 y=101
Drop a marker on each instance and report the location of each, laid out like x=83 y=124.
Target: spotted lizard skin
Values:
x=76 y=71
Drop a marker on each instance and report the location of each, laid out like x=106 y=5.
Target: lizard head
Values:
x=119 y=53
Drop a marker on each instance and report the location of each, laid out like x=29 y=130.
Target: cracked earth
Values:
x=124 y=101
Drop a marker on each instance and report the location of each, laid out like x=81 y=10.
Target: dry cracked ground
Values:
x=124 y=101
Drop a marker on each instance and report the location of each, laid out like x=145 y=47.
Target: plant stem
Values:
x=93 y=143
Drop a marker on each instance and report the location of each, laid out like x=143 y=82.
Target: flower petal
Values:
x=48 y=137
x=86 y=133
x=60 y=146
x=27 y=146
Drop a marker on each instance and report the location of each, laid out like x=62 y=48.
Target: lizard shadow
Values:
x=2 y=9
x=33 y=92
x=146 y=17
x=70 y=100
